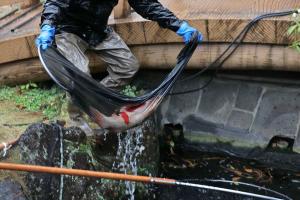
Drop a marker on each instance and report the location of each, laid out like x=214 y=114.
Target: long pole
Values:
x=118 y=176
x=86 y=173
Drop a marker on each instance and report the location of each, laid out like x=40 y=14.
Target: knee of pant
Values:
x=134 y=66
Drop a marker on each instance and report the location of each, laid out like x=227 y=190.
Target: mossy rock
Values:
x=41 y=145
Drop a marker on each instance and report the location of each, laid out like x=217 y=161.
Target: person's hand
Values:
x=186 y=31
x=46 y=37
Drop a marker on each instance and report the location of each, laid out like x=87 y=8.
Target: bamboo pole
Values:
x=85 y=173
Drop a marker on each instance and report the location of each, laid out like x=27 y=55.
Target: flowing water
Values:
x=130 y=147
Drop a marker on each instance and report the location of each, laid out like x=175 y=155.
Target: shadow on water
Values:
x=197 y=168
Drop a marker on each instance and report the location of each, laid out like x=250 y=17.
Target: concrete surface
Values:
x=238 y=113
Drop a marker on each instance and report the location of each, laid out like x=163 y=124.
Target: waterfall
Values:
x=130 y=147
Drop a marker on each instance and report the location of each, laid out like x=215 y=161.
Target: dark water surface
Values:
x=196 y=168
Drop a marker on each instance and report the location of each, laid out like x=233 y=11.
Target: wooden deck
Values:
x=219 y=20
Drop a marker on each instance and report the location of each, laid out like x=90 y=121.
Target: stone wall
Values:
x=236 y=116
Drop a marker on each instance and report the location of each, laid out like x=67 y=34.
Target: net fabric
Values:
x=109 y=109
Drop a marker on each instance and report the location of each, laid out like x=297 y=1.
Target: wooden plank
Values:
x=18 y=49
x=147 y=32
x=213 y=30
x=24 y=71
x=155 y=34
x=131 y=33
x=24 y=3
x=247 y=57
x=28 y=3
x=217 y=20
x=122 y=10
x=18 y=23
x=10 y=2
x=225 y=30
x=227 y=9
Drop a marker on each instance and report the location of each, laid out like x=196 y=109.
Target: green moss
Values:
x=31 y=98
x=146 y=170
x=7 y=93
x=87 y=148
x=212 y=139
x=83 y=148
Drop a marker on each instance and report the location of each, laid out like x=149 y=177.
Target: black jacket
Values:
x=88 y=18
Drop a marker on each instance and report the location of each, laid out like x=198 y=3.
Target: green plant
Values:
x=47 y=101
x=294 y=30
x=30 y=97
x=130 y=91
x=28 y=86
x=6 y=93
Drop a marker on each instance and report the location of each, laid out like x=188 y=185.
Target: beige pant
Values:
x=122 y=64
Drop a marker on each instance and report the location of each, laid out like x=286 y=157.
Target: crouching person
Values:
x=76 y=26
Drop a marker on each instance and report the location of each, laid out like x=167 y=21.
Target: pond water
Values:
x=196 y=168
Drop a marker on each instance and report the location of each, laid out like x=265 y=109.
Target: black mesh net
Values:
x=108 y=108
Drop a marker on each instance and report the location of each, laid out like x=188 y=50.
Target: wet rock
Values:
x=75 y=135
x=11 y=190
x=41 y=145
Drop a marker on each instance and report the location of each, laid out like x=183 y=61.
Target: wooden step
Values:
x=247 y=57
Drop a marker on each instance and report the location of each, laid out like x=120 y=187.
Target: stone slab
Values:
x=183 y=104
x=240 y=119
x=248 y=96
x=217 y=101
x=296 y=147
x=231 y=110
x=278 y=113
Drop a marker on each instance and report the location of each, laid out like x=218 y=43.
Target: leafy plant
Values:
x=130 y=91
x=28 y=86
x=294 y=30
x=6 y=93
x=32 y=98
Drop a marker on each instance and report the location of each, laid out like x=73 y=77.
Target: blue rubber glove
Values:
x=186 y=31
x=46 y=37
